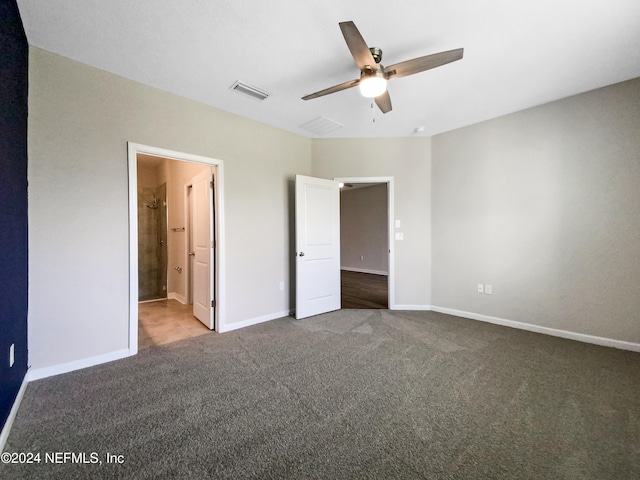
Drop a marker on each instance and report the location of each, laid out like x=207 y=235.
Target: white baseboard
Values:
x=410 y=307
x=364 y=270
x=12 y=414
x=253 y=321
x=580 y=337
x=176 y=296
x=45 y=372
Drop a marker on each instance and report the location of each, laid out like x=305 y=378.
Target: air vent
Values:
x=321 y=126
x=248 y=90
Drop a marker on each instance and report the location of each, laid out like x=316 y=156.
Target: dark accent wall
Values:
x=13 y=203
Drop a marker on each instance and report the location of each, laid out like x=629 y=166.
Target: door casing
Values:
x=133 y=149
x=390 y=228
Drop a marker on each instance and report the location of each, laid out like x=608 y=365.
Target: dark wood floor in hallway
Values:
x=364 y=290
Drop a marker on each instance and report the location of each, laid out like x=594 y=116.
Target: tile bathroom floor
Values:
x=166 y=321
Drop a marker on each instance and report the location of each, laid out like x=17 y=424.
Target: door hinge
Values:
x=213 y=244
x=213 y=303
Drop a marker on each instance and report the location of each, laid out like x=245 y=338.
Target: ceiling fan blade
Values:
x=384 y=102
x=334 y=89
x=421 y=64
x=357 y=46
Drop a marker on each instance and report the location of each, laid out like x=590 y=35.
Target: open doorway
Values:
x=317 y=243
x=366 y=253
x=171 y=314
x=166 y=310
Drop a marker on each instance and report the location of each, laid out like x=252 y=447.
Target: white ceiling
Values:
x=517 y=54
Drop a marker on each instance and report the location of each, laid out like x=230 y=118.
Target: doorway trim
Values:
x=391 y=279
x=133 y=149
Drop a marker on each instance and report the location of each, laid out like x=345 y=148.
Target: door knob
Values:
x=302 y=254
x=192 y=254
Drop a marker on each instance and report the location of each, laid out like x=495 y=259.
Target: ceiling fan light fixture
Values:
x=372 y=84
x=373 y=76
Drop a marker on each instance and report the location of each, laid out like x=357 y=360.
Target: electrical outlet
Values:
x=488 y=289
x=480 y=288
x=12 y=354
x=399 y=236
x=281 y=286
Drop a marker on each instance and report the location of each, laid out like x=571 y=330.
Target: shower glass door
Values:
x=152 y=243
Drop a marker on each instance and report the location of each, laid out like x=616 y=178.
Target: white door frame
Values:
x=133 y=149
x=391 y=279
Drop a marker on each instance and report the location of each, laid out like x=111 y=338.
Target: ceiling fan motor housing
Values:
x=376 y=53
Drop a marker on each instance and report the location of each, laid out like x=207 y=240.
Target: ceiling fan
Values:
x=373 y=76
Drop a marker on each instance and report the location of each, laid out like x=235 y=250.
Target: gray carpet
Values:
x=350 y=394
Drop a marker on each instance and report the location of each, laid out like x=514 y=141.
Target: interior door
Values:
x=317 y=246
x=203 y=247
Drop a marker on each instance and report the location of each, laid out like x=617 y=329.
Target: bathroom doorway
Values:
x=157 y=210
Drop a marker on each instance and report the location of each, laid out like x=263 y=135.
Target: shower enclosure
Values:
x=152 y=243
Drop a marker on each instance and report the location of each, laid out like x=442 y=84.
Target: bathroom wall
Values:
x=178 y=175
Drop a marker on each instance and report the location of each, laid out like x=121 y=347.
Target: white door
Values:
x=317 y=246
x=203 y=247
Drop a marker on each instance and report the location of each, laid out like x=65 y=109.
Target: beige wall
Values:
x=544 y=205
x=80 y=120
x=408 y=160
x=363 y=229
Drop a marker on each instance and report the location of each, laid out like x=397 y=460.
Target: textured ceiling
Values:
x=517 y=54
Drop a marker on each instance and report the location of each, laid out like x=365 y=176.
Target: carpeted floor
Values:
x=347 y=395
